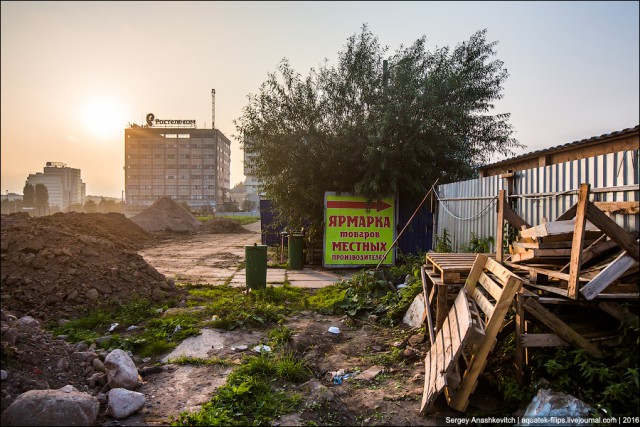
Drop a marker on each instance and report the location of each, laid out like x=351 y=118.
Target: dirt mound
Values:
x=34 y=360
x=222 y=226
x=166 y=215
x=60 y=266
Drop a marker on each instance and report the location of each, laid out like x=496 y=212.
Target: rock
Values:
x=123 y=403
x=84 y=356
x=97 y=379
x=82 y=346
x=3 y=375
x=93 y=294
x=29 y=321
x=102 y=398
x=413 y=316
x=416 y=340
x=68 y=388
x=121 y=371
x=62 y=365
x=52 y=408
x=98 y=365
x=370 y=373
x=150 y=370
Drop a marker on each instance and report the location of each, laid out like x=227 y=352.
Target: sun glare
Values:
x=103 y=118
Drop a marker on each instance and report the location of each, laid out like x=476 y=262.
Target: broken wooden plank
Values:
x=548 y=245
x=607 y=276
x=530 y=254
x=543 y=340
x=623 y=208
x=578 y=241
x=613 y=230
x=551 y=273
x=559 y=327
x=599 y=246
x=554 y=228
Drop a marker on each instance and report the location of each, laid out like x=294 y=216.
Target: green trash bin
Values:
x=295 y=251
x=256 y=266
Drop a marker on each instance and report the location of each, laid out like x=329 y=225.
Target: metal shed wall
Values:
x=538 y=193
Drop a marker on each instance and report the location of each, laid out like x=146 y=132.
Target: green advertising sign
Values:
x=357 y=233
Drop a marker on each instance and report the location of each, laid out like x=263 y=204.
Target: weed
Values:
x=246 y=399
x=443 y=243
x=477 y=244
x=199 y=361
x=291 y=368
x=279 y=336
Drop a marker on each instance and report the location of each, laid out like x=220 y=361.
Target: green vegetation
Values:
x=478 y=245
x=610 y=385
x=443 y=243
x=248 y=397
x=234 y=308
x=371 y=292
x=358 y=126
x=242 y=220
x=198 y=361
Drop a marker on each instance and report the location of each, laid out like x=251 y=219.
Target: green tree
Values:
x=41 y=199
x=28 y=196
x=374 y=130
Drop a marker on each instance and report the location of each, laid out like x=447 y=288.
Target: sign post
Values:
x=358 y=233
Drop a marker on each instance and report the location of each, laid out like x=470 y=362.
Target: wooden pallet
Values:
x=493 y=288
x=462 y=327
x=453 y=268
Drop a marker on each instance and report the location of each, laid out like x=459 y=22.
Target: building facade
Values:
x=251 y=182
x=64 y=184
x=186 y=164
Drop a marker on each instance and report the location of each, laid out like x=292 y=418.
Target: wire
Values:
x=468 y=218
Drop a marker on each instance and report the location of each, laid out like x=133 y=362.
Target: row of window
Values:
x=171 y=156
x=171 y=166
x=134 y=145
x=163 y=177
x=170 y=187
x=174 y=197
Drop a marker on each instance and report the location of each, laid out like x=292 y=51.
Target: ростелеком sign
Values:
x=357 y=233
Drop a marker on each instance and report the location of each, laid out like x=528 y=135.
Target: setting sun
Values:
x=103 y=118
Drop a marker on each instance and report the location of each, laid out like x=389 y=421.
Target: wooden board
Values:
x=443 y=355
x=553 y=228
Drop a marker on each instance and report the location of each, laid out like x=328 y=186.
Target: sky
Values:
x=75 y=74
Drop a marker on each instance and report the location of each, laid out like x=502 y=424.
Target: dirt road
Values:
x=392 y=398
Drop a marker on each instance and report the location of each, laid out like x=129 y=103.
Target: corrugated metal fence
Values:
x=544 y=192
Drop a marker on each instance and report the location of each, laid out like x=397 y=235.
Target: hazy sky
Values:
x=74 y=74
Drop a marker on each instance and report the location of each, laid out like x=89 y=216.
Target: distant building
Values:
x=63 y=183
x=238 y=194
x=251 y=182
x=181 y=162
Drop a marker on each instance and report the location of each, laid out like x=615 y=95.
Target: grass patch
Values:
x=236 y=309
x=248 y=397
x=199 y=361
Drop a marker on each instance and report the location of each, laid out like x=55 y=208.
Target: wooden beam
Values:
x=543 y=340
x=607 y=276
x=613 y=230
x=500 y=227
x=596 y=248
x=519 y=347
x=625 y=208
x=578 y=240
x=568 y=214
x=617 y=311
x=513 y=218
x=563 y=330
x=427 y=306
x=441 y=305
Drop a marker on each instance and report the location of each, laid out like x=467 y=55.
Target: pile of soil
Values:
x=222 y=226
x=166 y=215
x=34 y=360
x=66 y=264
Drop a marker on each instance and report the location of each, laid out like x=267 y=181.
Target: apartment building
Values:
x=64 y=184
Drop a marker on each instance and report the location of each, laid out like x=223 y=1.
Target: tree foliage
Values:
x=372 y=130
x=28 y=196
x=41 y=199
